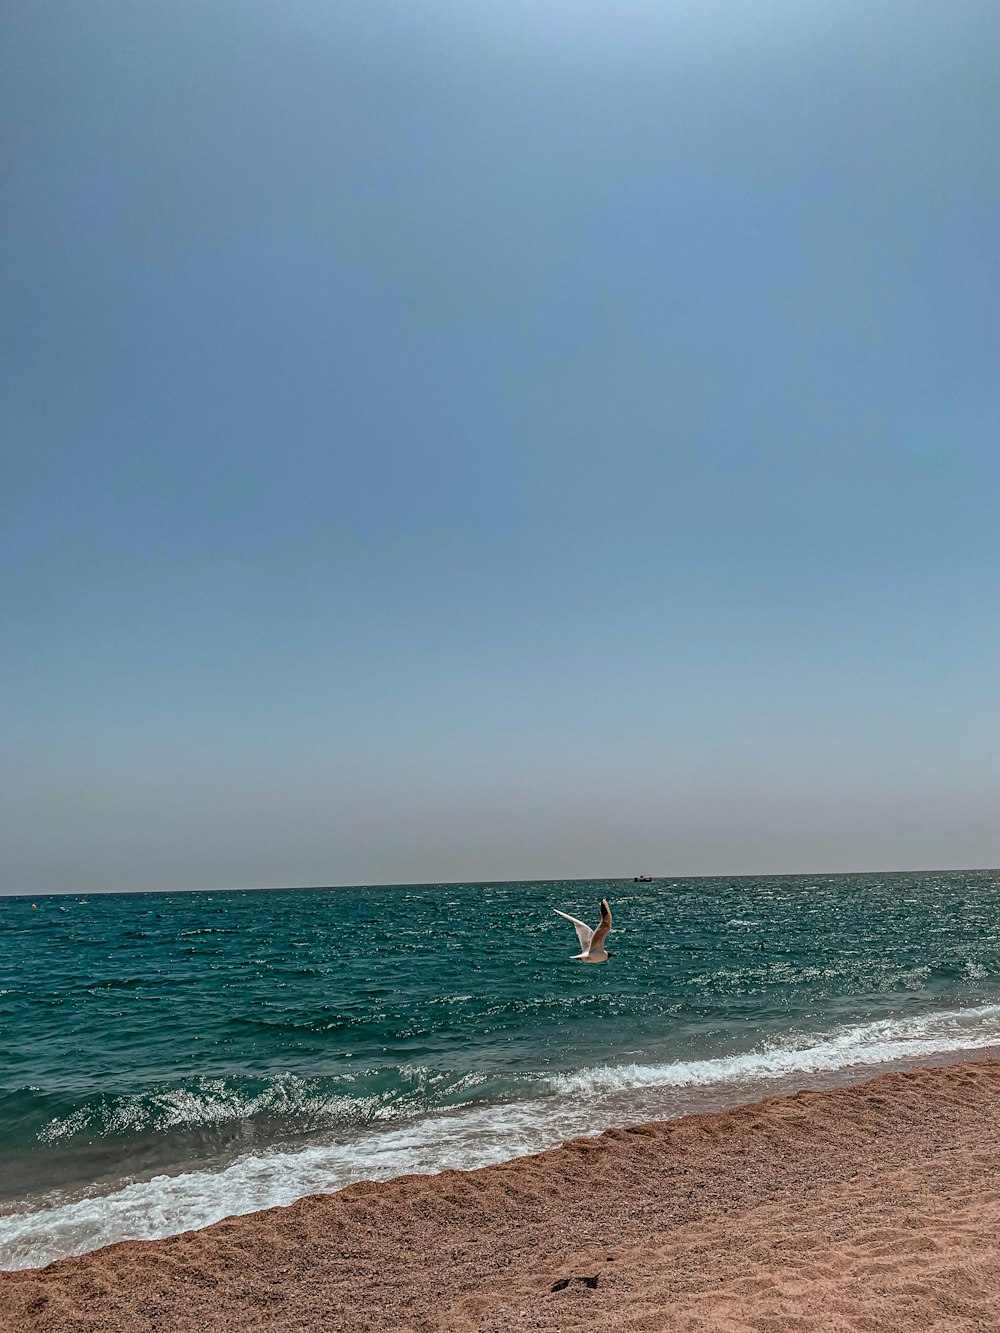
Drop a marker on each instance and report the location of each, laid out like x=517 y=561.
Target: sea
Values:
x=170 y=1059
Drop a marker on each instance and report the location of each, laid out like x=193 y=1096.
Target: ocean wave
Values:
x=881 y=1042
x=297 y=1105
x=209 y=1102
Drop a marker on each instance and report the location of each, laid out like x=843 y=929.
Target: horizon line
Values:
x=482 y=883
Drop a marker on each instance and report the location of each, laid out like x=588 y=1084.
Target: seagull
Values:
x=591 y=941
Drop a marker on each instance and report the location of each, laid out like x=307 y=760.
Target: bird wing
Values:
x=583 y=932
x=601 y=933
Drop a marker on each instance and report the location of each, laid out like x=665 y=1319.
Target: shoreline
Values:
x=862 y=1206
x=50 y=1224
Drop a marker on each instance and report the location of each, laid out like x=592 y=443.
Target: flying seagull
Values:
x=591 y=941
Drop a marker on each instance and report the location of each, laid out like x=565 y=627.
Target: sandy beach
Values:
x=874 y=1207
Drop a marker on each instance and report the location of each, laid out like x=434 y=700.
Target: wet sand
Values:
x=875 y=1208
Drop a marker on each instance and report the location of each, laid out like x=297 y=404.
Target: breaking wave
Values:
x=881 y=1042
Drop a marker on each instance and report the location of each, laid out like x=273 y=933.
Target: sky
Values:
x=454 y=440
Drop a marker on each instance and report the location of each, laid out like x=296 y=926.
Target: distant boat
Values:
x=642 y=879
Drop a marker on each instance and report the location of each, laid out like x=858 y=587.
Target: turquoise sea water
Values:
x=168 y=1059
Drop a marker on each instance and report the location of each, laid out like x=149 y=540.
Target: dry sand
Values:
x=872 y=1208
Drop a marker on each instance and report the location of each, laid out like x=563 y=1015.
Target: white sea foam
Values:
x=166 y=1205
x=582 y=1102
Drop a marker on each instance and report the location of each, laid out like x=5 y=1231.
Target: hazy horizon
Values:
x=458 y=443
x=624 y=880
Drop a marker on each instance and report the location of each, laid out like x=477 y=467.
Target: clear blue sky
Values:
x=464 y=439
